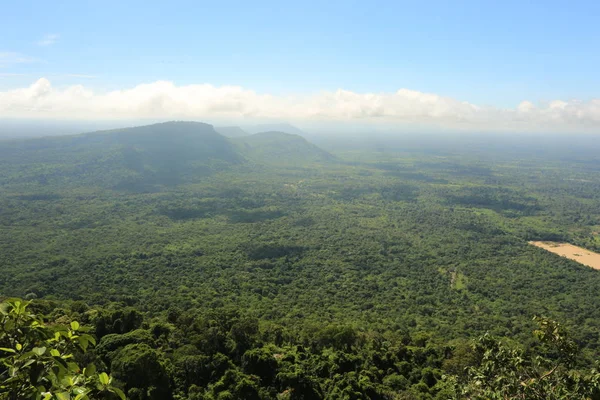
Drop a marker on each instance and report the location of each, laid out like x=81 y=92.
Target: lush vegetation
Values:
x=39 y=361
x=266 y=267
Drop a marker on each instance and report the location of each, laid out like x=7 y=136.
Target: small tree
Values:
x=37 y=360
x=505 y=372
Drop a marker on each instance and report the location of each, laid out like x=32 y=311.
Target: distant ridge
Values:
x=165 y=154
x=281 y=148
x=231 y=131
x=146 y=158
x=282 y=127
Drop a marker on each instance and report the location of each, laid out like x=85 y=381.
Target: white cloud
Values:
x=48 y=39
x=404 y=107
x=11 y=58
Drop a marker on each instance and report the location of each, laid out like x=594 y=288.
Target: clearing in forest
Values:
x=574 y=253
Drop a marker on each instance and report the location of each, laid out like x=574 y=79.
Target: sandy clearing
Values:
x=574 y=253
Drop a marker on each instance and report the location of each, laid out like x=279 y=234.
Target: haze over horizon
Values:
x=344 y=65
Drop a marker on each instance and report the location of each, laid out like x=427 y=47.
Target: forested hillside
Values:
x=281 y=148
x=266 y=267
x=131 y=158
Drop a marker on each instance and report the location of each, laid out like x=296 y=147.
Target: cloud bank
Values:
x=206 y=102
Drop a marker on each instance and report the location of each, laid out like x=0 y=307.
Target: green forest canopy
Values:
x=266 y=265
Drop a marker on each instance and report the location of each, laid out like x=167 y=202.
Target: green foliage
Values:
x=142 y=370
x=265 y=267
x=547 y=373
x=119 y=321
x=38 y=361
x=112 y=342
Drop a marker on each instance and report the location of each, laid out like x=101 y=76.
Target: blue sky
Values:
x=489 y=53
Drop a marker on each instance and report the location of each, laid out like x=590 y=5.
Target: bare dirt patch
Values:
x=574 y=253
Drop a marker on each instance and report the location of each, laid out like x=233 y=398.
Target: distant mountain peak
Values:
x=279 y=127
